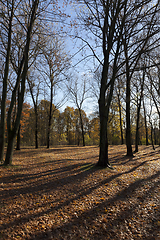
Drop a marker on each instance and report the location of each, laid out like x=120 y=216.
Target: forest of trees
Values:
x=115 y=43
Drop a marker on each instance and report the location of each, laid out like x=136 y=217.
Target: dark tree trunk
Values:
x=4 y=90
x=49 y=127
x=19 y=129
x=155 y=136
x=145 y=123
x=103 y=154
x=81 y=122
x=104 y=104
x=36 y=130
x=128 y=124
x=35 y=111
x=152 y=141
x=128 y=100
x=19 y=138
x=138 y=113
x=137 y=129
x=120 y=120
x=50 y=110
x=12 y=131
x=10 y=148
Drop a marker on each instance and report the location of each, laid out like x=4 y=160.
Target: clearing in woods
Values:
x=58 y=193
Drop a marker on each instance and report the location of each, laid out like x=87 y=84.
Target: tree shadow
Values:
x=86 y=220
x=46 y=181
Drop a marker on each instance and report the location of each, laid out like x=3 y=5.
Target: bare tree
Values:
x=7 y=18
x=114 y=25
x=21 y=77
x=53 y=63
x=32 y=86
x=78 y=91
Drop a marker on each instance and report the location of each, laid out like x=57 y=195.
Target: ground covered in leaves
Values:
x=58 y=193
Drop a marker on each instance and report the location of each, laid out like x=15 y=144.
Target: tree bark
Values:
x=50 y=116
x=120 y=120
x=19 y=129
x=103 y=154
x=19 y=138
x=81 y=122
x=128 y=100
x=145 y=123
x=35 y=111
x=12 y=131
x=152 y=141
x=36 y=128
x=4 y=91
x=138 y=113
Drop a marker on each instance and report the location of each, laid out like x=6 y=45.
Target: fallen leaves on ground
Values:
x=58 y=193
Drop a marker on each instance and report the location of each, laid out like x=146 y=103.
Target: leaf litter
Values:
x=58 y=193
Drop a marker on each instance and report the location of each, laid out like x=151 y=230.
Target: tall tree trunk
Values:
x=138 y=113
x=137 y=127
x=35 y=103
x=19 y=138
x=145 y=123
x=81 y=122
x=128 y=124
x=4 y=91
x=50 y=116
x=103 y=154
x=104 y=106
x=36 y=128
x=10 y=148
x=155 y=136
x=12 y=131
x=120 y=120
x=128 y=100
x=152 y=141
x=19 y=129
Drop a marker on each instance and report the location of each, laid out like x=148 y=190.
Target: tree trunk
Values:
x=155 y=136
x=35 y=111
x=128 y=124
x=137 y=128
x=145 y=123
x=152 y=141
x=104 y=104
x=81 y=121
x=36 y=129
x=10 y=148
x=138 y=113
x=103 y=155
x=19 y=138
x=19 y=129
x=4 y=91
x=50 y=116
x=128 y=100
x=12 y=132
x=120 y=120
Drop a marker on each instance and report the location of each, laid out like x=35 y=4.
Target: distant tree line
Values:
x=66 y=127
